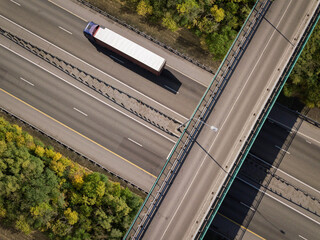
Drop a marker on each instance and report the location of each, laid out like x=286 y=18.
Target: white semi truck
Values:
x=125 y=47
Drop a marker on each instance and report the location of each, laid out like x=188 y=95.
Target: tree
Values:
x=71 y=216
x=22 y=225
x=304 y=81
x=144 y=8
x=218 y=13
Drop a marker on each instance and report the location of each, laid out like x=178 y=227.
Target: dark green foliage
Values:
x=40 y=189
x=215 y=22
x=304 y=81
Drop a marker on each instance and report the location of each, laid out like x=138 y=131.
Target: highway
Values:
x=298 y=166
x=49 y=21
x=83 y=113
x=213 y=153
x=54 y=27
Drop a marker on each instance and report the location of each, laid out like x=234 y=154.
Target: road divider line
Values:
x=81 y=90
x=135 y=142
x=302 y=237
x=67 y=10
x=15 y=3
x=65 y=30
x=117 y=59
x=167 y=64
x=97 y=69
x=80 y=112
x=243 y=227
x=27 y=81
x=285 y=126
x=251 y=208
x=269 y=195
x=278 y=169
x=171 y=89
x=282 y=149
x=308 y=141
x=80 y=134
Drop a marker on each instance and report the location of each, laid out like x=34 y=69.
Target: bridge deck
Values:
x=213 y=153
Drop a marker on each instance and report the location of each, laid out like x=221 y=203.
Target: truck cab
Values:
x=90 y=30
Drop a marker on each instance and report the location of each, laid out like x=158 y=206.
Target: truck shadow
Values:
x=166 y=80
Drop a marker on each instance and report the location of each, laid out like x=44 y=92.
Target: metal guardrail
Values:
x=263 y=116
x=303 y=116
x=130 y=103
x=205 y=106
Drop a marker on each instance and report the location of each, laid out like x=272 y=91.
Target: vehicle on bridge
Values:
x=137 y=54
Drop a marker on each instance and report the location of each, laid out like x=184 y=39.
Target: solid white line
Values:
x=170 y=152
x=15 y=3
x=285 y=126
x=135 y=142
x=97 y=69
x=251 y=208
x=65 y=30
x=89 y=94
x=195 y=80
x=116 y=59
x=27 y=81
x=171 y=89
x=278 y=169
x=80 y=111
x=281 y=149
x=303 y=237
x=279 y=201
x=225 y=119
x=67 y=10
x=166 y=64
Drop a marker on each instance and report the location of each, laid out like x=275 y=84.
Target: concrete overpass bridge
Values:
x=202 y=165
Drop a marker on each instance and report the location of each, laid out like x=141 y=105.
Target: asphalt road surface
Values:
x=270 y=216
x=57 y=29
x=200 y=177
x=173 y=89
x=81 y=111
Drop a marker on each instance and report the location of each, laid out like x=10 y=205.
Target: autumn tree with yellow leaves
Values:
x=42 y=190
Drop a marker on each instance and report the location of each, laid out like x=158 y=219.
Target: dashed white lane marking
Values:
x=80 y=89
x=65 y=30
x=15 y=3
x=247 y=206
x=288 y=206
x=27 y=81
x=80 y=111
x=68 y=11
x=282 y=149
x=171 y=89
x=302 y=237
x=135 y=142
x=117 y=59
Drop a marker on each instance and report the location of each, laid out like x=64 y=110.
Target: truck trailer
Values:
x=135 y=53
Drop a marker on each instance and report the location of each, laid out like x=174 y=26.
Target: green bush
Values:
x=42 y=190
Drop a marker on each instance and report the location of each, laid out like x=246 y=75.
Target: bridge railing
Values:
x=259 y=123
x=191 y=131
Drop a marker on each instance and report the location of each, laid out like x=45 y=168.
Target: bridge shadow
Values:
x=242 y=200
x=166 y=80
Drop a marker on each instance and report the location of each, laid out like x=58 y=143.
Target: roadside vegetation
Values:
x=215 y=22
x=304 y=81
x=42 y=190
x=203 y=30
